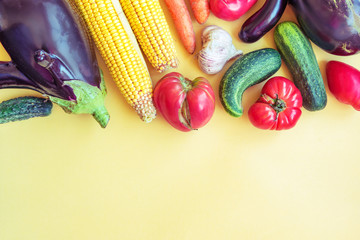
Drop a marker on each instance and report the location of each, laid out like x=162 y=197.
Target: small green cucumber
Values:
x=23 y=108
x=248 y=70
x=299 y=57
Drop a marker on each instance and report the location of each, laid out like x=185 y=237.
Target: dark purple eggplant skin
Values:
x=49 y=47
x=334 y=26
x=261 y=22
x=30 y=25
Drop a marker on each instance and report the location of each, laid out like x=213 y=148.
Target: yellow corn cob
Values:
x=125 y=63
x=149 y=25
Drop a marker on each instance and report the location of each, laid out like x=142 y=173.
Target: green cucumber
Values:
x=23 y=108
x=299 y=57
x=248 y=70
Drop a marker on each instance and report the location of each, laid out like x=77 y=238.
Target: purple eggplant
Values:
x=51 y=53
x=261 y=22
x=332 y=25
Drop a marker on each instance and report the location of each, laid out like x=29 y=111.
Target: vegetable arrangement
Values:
x=123 y=31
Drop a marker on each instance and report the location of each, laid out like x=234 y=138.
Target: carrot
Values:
x=201 y=10
x=183 y=24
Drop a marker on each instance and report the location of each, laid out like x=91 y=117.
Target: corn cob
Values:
x=126 y=65
x=149 y=25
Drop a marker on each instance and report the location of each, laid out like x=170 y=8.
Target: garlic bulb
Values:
x=217 y=49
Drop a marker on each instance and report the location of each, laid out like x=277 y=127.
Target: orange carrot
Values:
x=201 y=10
x=183 y=24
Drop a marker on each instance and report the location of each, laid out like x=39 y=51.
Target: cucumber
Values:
x=23 y=108
x=252 y=68
x=299 y=57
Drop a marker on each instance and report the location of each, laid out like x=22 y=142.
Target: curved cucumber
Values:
x=252 y=68
x=23 y=108
x=299 y=57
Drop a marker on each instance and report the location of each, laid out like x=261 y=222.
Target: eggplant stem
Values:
x=102 y=116
x=57 y=68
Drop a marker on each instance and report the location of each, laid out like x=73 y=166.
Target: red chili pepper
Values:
x=344 y=83
x=187 y=105
x=279 y=106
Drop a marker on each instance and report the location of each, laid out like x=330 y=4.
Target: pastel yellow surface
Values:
x=64 y=178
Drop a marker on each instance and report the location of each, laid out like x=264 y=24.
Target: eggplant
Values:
x=261 y=22
x=51 y=53
x=334 y=26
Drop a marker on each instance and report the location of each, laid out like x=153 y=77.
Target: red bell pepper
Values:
x=187 y=105
x=279 y=106
x=344 y=83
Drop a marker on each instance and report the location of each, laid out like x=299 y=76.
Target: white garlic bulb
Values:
x=217 y=49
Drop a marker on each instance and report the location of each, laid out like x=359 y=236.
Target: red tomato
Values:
x=279 y=106
x=230 y=10
x=187 y=105
x=344 y=83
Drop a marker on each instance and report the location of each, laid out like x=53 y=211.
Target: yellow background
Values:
x=65 y=178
